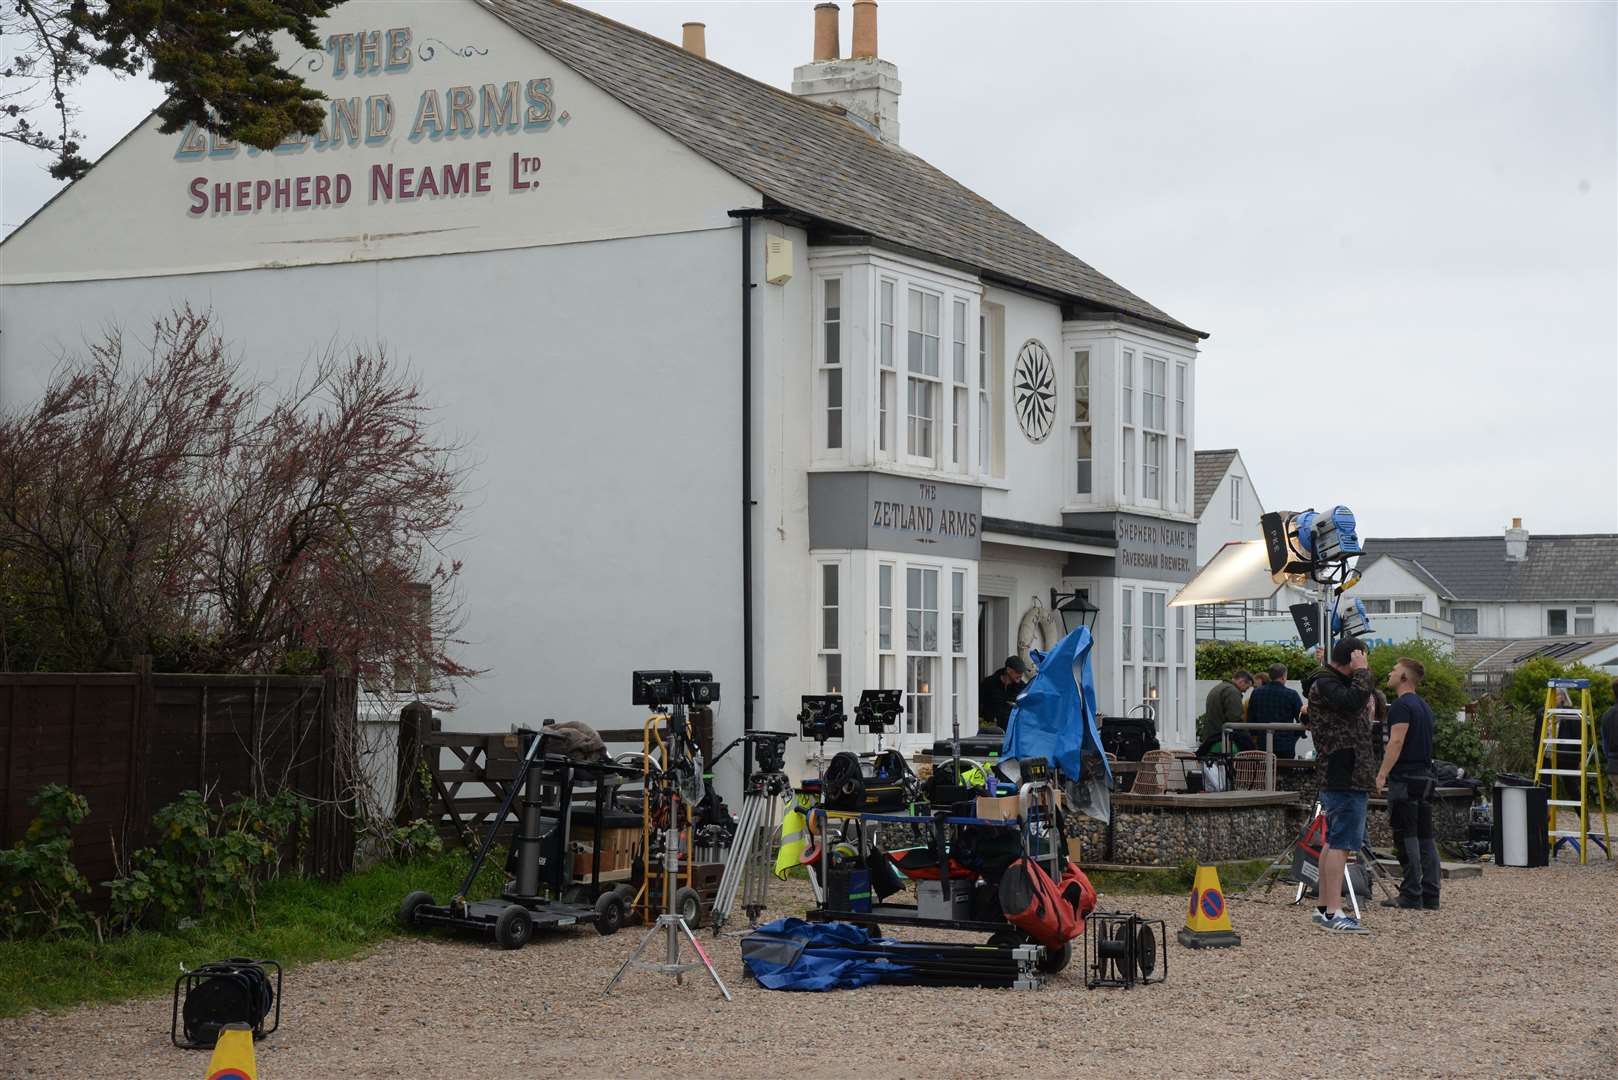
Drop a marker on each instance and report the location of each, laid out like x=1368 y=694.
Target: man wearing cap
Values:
x=1341 y=726
x=998 y=693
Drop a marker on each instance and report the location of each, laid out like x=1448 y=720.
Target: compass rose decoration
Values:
x=1033 y=388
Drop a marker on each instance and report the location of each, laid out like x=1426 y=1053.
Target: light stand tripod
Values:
x=671 y=924
x=751 y=860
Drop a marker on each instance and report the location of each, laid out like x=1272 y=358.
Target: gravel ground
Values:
x=1515 y=977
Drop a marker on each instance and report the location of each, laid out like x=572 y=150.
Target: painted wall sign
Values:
x=1148 y=547
x=440 y=114
x=893 y=513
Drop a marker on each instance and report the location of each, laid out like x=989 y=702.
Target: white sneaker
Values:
x=1344 y=924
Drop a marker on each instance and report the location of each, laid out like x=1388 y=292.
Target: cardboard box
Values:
x=1073 y=850
x=1004 y=808
x=933 y=902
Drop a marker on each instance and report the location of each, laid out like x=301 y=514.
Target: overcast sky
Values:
x=1399 y=223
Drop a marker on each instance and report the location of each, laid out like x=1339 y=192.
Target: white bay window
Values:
x=922 y=382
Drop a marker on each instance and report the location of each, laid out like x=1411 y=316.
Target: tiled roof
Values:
x=1211 y=466
x=1497 y=654
x=811 y=159
x=1558 y=567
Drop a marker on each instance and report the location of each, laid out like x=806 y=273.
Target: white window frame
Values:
x=831 y=652
x=831 y=368
x=1584 y=614
x=1082 y=425
x=929 y=382
x=1182 y=451
x=1154 y=427
x=985 y=406
x=1402 y=607
x=1126 y=411
x=887 y=356
x=960 y=389
x=959 y=662
x=915 y=688
x=1454 y=612
x=1567 y=622
x=1236 y=499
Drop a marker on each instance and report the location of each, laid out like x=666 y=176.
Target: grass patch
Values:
x=298 y=921
x=1175 y=882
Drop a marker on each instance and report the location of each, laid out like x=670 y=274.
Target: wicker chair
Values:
x=1251 y=770
x=1158 y=771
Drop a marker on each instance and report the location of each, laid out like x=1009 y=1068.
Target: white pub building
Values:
x=749 y=386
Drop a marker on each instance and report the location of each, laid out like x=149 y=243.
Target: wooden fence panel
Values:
x=131 y=743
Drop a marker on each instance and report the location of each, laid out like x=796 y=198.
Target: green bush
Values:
x=207 y=860
x=1510 y=737
x=1222 y=659
x=1524 y=688
x=39 y=885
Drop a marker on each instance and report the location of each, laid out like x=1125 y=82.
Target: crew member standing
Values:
x=1406 y=774
x=998 y=693
x=1276 y=703
x=1341 y=727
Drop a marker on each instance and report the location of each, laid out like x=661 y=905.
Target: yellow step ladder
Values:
x=1589 y=772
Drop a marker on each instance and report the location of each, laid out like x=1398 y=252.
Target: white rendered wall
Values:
x=602 y=528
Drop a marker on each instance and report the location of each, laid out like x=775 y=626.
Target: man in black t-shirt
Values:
x=1406 y=775
x=997 y=693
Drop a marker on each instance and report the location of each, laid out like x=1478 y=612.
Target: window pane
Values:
x=834 y=674
x=884 y=418
x=957 y=632
x=1081 y=388
x=884 y=611
x=1127 y=379
x=1125 y=443
x=828 y=603
x=1584 y=624
x=1407 y=606
x=1556 y=622
x=834 y=409
x=1127 y=621
x=958 y=426
x=1179 y=473
x=887 y=324
x=1466 y=620
x=833 y=317
x=920 y=442
x=960 y=341
x=1179 y=399
x=915 y=334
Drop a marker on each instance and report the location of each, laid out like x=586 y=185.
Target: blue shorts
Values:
x=1345 y=818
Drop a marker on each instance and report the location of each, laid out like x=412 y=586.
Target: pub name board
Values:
x=861 y=510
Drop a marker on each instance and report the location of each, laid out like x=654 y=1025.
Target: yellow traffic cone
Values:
x=1207 y=922
x=233 y=1055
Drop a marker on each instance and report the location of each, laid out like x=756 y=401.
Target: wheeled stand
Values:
x=681 y=758
x=540 y=860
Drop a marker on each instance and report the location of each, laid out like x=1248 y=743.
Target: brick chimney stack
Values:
x=864 y=86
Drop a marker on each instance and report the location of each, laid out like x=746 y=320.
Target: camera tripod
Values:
x=751 y=860
x=670 y=924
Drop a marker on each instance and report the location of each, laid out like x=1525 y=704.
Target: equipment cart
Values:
x=544 y=890
x=1039 y=827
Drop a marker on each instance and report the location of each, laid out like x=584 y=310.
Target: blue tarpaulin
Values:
x=1056 y=716
x=793 y=954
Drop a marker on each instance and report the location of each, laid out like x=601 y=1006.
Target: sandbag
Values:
x=574 y=739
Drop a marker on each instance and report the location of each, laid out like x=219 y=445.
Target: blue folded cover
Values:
x=1056 y=716
x=793 y=954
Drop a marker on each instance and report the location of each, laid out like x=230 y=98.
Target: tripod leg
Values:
x=707 y=963
x=632 y=958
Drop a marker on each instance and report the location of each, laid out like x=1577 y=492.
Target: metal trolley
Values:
x=1040 y=828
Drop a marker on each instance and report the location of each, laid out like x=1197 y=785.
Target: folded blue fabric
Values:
x=793 y=954
x=1056 y=716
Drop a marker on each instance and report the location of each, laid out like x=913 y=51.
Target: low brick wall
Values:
x=1167 y=830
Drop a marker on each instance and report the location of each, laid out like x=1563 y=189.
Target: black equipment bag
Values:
x=881 y=783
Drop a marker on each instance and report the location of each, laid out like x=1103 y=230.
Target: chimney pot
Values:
x=826 y=47
x=694 y=38
x=864 y=29
x=1516 y=523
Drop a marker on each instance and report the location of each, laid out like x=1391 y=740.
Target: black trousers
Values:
x=1413 y=841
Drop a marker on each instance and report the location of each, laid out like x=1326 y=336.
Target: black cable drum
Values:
x=233 y=991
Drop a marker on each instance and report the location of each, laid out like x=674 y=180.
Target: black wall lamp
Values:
x=1075 y=603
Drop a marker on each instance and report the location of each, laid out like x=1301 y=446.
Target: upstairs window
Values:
x=922 y=382
x=1154 y=422
x=1236 y=499
x=1126 y=441
x=985 y=422
x=1556 y=622
x=1182 y=456
x=1584 y=620
x=1465 y=619
x=1407 y=607
x=887 y=393
x=959 y=445
x=831 y=361
x=1083 y=435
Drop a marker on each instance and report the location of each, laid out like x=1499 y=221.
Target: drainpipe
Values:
x=747 y=215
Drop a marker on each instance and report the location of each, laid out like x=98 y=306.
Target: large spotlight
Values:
x=1308 y=541
x=1350 y=619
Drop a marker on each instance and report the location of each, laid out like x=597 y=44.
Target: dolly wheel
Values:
x=609 y=913
x=688 y=905
x=412 y=904
x=1055 y=960
x=513 y=929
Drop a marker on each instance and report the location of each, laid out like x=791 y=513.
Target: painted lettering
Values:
x=381 y=182
x=429 y=117
x=457 y=178
x=497 y=107
x=483 y=187
x=378 y=118
x=193 y=143
x=537 y=116
x=426 y=185
x=368 y=52
x=459 y=101
x=345 y=120
x=407 y=176
x=339 y=46
x=199 y=196
x=399 y=57
x=301 y=187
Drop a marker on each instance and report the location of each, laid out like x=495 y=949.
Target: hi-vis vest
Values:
x=794 y=836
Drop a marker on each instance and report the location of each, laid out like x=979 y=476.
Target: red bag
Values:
x=1049 y=912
